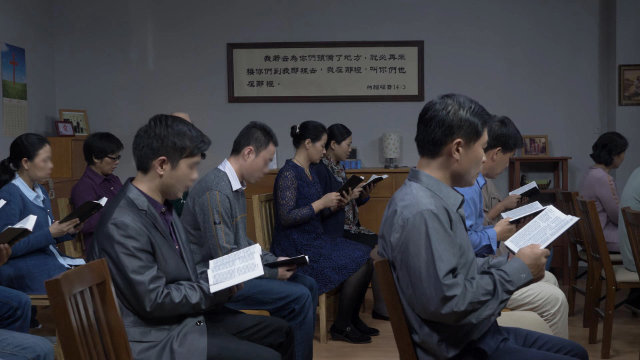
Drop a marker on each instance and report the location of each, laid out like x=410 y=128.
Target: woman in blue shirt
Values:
x=35 y=258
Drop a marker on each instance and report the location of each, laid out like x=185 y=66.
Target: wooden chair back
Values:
x=264 y=217
x=399 y=324
x=86 y=313
x=632 y=224
x=74 y=247
x=594 y=241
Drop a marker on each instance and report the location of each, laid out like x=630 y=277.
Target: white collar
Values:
x=231 y=174
x=36 y=196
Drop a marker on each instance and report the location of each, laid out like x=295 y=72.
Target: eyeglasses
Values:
x=115 y=158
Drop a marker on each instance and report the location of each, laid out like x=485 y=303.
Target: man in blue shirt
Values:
x=544 y=297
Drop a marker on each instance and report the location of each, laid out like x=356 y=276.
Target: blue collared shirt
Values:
x=483 y=238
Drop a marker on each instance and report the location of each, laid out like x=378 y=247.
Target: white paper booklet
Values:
x=523 y=211
x=2 y=202
x=542 y=229
x=527 y=190
x=234 y=268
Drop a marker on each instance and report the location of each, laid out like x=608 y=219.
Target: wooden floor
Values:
x=625 y=344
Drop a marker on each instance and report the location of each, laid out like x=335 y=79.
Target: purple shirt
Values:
x=166 y=214
x=600 y=187
x=91 y=187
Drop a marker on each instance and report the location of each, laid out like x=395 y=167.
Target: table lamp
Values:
x=391 y=149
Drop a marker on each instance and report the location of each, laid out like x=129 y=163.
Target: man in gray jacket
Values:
x=167 y=310
x=215 y=219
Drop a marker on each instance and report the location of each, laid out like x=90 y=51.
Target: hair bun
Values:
x=295 y=130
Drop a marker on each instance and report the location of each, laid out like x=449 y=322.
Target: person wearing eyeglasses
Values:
x=102 y=154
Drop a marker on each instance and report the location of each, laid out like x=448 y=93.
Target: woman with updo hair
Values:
x=35 y=258
x=607 y=153
x=333 y=261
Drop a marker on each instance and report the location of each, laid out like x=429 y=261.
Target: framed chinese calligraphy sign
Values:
x=326 y=71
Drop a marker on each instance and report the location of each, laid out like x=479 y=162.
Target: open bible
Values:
x=374 y=179
x=542 y=229
x=234 y=268
x=527 y=190
x=523 y=211
x=351 y=183
x=84 y=211
x=12 y=234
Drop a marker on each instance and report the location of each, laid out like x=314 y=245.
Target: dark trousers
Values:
x=237 y=336
x=294 y=300
x=506 y=343
x=15 y=310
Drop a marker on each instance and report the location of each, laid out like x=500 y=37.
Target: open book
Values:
x=528 y=190
x=522 y=211
x=351 y=183
x=300 y=260
x=84 y=211
x=542 y=229
x=374 y=179
x=2 y=202
x=234 y=268
x=12 y=234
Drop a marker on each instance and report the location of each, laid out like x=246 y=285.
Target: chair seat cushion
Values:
x=616 y=258
x=624 y=275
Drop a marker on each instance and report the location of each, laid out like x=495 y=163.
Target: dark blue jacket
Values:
x=31 y=261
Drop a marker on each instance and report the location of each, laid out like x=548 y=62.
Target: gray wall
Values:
x=628 y=52
x=539 y=62
x=27 y=23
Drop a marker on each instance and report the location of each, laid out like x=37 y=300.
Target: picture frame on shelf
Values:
x=64 y=128
x=535 y=145
x=629 y=85
x=78 y=118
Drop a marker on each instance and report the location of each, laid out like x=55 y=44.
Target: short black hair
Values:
x=170 y=136
x=446 y=118
x=607 y=146
x=98 y=145
x=503 y=133
x=337 y=133
x=256 y=134
x=309 y=129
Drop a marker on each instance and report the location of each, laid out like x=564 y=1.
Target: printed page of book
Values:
x=234 y=268
x=523 y=211
x=542 y=229
x=524 y=189
x=374 y=177
x=2 y=202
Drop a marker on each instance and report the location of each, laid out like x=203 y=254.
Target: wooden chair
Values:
x=399 y=324
x=264 y=217
x=75 y=246
x=632 y=225
x=87 y=315
x=565 y=201
x=615 y=276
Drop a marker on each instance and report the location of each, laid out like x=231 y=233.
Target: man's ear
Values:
x=457 y=147
x=161 y=165
x=248 y=153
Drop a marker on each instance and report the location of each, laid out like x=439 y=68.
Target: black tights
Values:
x=352 y=295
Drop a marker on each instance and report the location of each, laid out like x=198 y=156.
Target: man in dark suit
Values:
x=167 y=309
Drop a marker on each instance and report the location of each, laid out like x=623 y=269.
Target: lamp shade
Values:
x=391 y=145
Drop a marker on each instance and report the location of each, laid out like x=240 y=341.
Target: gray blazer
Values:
x=161 y=299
